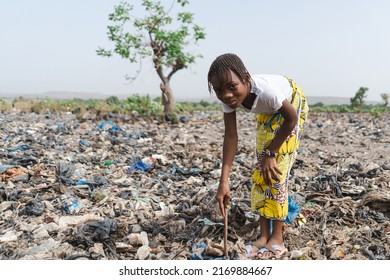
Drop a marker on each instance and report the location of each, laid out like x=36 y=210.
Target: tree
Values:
x=157 y=36
x=358 y=100
x=385 y=98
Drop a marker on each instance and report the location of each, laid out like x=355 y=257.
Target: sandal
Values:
x=277 y=250
x=249 y=250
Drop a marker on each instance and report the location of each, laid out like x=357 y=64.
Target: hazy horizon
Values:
x=327 y=100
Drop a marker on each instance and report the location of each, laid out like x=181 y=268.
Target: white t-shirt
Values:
x=270 y=90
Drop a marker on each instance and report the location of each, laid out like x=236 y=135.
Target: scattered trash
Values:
x=204 y=251
x=131 y=188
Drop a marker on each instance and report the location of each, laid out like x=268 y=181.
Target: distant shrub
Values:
x=318 y=104
x=113 y=100
x=144 y=105
x=5 y=106
x=204 y=103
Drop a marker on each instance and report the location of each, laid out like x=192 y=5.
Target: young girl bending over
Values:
x=281 y=110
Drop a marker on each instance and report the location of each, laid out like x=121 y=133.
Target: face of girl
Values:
x=232 y=92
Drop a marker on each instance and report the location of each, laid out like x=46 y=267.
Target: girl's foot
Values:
x=253 y=248
x=271 y=251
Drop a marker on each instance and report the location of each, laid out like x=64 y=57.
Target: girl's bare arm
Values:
x=229 y=150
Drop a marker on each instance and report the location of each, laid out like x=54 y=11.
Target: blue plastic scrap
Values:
x=141 y=166
x=22 y=147
x=85 y=143
x=71 y=207
x=81 y=183
x=114 y=128
x=293 y=210
x=103 y=124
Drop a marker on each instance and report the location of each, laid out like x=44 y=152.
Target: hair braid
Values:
x=221 y=67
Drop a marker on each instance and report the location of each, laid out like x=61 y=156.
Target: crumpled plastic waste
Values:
x=64 y=173
x=141 y=166
x=293 y=210
x=209 y=223
x=202 y=255
x=85 y=143
x=33 y=207
x=22 y=147
x=98 y=231
x=182 y=171
x=70 y=204
x=103 y=124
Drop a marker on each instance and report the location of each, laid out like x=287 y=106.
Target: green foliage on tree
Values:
x=157 y=36
x=358 y=100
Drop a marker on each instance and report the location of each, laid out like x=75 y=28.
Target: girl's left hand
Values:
x=270 y=170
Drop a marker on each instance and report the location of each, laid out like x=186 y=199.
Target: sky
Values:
x=330 y=48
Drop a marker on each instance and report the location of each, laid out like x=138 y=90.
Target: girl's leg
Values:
x=264 y=235
x=275 y=242
x=264 y=230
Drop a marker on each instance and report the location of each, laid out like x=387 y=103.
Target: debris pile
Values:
x=131 y=188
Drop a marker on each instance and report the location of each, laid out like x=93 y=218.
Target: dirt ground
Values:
x=129 y=188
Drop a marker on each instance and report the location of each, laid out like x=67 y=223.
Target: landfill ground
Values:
x=124 y=187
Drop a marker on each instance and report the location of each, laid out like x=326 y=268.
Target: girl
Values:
x=281 y=110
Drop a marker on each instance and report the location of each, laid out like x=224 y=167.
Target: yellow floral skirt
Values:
x=271 y=202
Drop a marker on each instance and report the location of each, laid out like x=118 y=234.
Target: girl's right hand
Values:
x=223 y=197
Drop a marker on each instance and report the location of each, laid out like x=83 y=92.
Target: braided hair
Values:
x=221 y=67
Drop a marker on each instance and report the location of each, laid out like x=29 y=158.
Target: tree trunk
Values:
x=168 y=100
